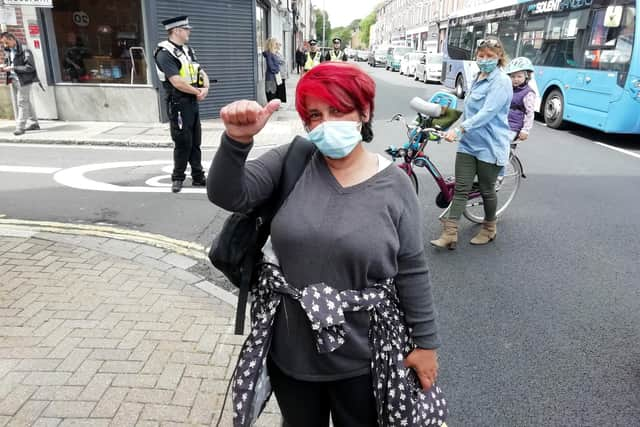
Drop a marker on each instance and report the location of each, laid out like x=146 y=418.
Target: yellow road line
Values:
x=182 y=247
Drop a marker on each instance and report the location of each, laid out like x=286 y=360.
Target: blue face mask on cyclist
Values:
x=336 y=138
x=487 y=65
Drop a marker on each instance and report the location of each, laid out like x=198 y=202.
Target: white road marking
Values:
x=28 y=169
x=74 y=178
x=155 y=181
x=620 y=150
x=122 y=147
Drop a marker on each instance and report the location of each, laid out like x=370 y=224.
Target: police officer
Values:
x=336 y=54
x=313 y=57
x=185 y=84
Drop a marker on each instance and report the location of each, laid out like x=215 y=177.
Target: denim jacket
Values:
x=486 y=128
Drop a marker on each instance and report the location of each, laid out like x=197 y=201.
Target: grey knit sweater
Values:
x=348 y=238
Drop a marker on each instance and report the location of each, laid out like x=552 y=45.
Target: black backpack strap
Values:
x=295 y=161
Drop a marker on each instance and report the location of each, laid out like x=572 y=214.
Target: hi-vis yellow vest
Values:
x=312 y=62
x=335 y=57
x=189 y=69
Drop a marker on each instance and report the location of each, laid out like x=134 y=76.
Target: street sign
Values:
x=33 y=3
x=8 y=16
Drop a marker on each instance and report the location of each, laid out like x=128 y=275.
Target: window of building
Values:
x=100 y=42
x=262 y=34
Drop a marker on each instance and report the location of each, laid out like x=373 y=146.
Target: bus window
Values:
x=508 y=35
x=610 y=47
x=532 y=38
x=563 y=41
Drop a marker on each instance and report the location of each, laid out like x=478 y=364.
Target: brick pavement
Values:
x=91 y=338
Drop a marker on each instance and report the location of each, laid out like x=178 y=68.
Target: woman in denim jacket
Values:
x=484 y=144
x=272 y=69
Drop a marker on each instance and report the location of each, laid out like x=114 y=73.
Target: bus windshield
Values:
x=582 y=52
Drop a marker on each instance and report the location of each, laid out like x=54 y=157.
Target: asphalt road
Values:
x=541 y=327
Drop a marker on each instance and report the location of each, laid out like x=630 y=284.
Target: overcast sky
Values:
x=342 y=12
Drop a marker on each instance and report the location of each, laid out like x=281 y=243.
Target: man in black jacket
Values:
x=21 y=73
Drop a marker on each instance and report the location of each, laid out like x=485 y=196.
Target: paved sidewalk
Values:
x=283 y=126
x=98 y=331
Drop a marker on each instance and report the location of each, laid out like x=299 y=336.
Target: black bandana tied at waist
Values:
x=400 y=400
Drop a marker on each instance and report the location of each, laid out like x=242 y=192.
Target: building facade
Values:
x=418 y=24
x=95 y=58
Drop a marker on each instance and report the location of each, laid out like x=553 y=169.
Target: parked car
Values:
x=362 y=55
x=394 y=56
x=429 y=69
x=377 y=57
x=409 y=63
x=351 y=53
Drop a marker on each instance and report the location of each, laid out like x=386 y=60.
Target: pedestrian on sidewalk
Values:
x=273 y=80
x=284 y=73
x=300 y=57
x=321 y=235
x=21 y=74
x=185 y=84
x=483 y=150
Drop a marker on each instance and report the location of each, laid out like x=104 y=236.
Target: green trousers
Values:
x=467 y=167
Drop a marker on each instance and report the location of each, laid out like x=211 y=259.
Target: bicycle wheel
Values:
x=414 y=181
x=506 y=189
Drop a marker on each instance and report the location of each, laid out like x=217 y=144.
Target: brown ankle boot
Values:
x=449 y=237
x=487 y=233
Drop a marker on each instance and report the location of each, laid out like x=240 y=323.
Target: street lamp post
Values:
x=324 y=20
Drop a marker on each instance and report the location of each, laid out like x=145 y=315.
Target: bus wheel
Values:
x=554 y=109
x=459 y=87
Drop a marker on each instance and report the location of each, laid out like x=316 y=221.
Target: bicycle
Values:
x=413 y=155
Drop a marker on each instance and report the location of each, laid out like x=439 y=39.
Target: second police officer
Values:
x=336 y=54
x=185 y=85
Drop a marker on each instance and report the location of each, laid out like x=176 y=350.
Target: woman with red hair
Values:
x=344 y=243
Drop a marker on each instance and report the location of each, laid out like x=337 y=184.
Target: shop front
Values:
x=97 y=56
x=98 y=62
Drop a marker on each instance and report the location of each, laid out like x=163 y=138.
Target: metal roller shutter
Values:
x=223 y=38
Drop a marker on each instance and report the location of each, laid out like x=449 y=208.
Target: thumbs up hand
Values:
x=244 y=119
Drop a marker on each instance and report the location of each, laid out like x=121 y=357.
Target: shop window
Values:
x=100 y=42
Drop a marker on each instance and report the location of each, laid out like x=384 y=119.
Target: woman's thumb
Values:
x=272 y=106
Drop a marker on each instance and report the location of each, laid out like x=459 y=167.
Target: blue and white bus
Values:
x=586 y=54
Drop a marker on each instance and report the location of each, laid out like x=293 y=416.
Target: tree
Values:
x=354 y=25
x=365 y=25
x=344 y=33
x=320 y=16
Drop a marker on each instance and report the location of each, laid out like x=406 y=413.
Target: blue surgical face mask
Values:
x=336 y=138
x=487 y=65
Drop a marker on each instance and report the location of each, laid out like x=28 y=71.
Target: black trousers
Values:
x=187 y=137
x=308 y=404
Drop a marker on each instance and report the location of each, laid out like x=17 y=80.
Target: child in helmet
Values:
x=524 y=98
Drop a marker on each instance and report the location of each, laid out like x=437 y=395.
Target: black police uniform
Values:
x=184 y=115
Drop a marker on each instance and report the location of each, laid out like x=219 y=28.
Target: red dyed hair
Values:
x=343 y=86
